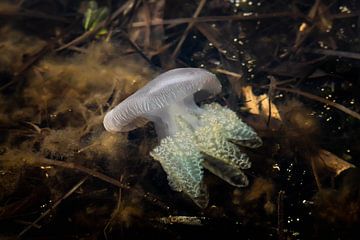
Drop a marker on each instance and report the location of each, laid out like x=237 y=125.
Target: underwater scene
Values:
x=179 y=119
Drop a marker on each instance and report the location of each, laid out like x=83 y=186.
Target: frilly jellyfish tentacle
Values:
x=233 y=175
x=223 y=158
x=211 y=141
x=234 y=128
x=182 y=162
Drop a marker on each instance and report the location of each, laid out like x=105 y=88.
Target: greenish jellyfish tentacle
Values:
x=211 y=141
x=224 y=159
x=182 y=162
x=205 y=139
x=232 y=175
x=234 y=129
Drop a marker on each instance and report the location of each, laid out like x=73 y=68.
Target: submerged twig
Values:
x=216 y=37
x=188 y=28
x=272 y=84
x=244 y=16
x=320 y=99
x=316 y=176
x=238 y=17
x=37 y=226
x=280 y=214
x=137 y=49
x=229 y=73
x=115 y=212
x=72 y=190
x=148 y=196
x=336 y=53
x=70 y=165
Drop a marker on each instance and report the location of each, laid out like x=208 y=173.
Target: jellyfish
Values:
x=191 y=137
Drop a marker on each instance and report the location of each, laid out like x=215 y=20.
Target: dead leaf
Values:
x=330 y=162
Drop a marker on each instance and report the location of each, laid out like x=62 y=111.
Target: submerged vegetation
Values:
x=289 y=69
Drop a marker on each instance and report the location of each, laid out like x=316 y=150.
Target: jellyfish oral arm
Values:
x=207 y=145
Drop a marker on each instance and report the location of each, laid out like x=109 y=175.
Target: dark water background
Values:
x=54 y=95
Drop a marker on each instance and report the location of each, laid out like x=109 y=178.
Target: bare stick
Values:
x=229 y=73
x=272 y=84
x=329 y=52
x=177 y=21
x=70 y=165
x=72 y=190
x=148 y=196
x=238 y=17
x=115 y=212
x=187 y=30
x=316 y=176
x=322 y=100
x=280 y=213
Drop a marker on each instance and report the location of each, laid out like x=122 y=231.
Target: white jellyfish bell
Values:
x=191 y=137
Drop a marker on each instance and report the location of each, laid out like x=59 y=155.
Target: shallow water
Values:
x=63 y=173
